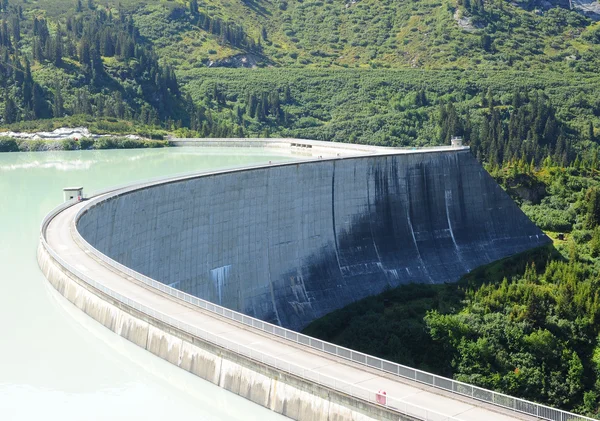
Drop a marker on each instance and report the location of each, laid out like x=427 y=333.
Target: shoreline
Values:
x=11 y=144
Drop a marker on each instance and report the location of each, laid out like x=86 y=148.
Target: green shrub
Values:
x=68 y=144
x=156 y=143
x=8 y=144
x=86 y=143
x=32 y=145
x=105 y=143
x=126 y=143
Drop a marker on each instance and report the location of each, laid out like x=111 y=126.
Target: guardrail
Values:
x=313 y=376
x=444 y=383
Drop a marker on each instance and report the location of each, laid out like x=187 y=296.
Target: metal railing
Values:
x=313 y=376
x=444 y=383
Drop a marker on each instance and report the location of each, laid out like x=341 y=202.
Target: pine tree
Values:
x=48 y=50
x=516 y=100
x=84 y=51
x=108 y=48
x=275 y=106
x=38 y=102
x=486 y=42
x=58 y=105
x=5 y=36
x=251 y=105
x=194 y=7
x=265 y=104
x=260 y=112
x=16 y=28
x=58 y=49
x=595 y=243
x=287 y=95
x=490 y=100
x=592 y=198
x=10 y=110
x=28 y=86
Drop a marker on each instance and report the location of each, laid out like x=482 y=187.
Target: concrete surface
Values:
x=290 y=243
x=286 y=394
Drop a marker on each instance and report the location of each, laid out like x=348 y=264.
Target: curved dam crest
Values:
x=290 y=243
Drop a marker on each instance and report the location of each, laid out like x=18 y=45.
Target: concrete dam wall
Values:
x=290 y=243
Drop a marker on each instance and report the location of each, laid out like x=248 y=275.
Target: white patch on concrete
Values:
x=219 y=276
x=448 y=198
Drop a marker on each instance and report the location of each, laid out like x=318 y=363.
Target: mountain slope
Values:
x=378 y=33
x=372 y=33
x=152 y=64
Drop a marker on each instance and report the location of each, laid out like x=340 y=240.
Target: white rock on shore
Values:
x=59 y=134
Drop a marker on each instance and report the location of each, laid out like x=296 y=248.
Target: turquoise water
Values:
x=55 y=362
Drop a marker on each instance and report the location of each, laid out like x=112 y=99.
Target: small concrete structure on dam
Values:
x=214 y=272
x=291 y=243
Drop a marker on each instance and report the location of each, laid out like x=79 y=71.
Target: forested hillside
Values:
x=364 y=33
x=387 y=72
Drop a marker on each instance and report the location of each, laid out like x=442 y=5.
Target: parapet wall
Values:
x=290 y=243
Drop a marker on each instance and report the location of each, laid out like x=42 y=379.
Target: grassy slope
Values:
x=370 y=33
x=392 y=33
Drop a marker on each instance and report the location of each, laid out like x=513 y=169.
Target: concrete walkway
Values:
x=58 y=235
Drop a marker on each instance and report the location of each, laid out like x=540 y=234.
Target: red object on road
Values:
x=381 y=397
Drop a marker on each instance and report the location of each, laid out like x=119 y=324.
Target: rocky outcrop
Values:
x=590 y=8
x=238 y=61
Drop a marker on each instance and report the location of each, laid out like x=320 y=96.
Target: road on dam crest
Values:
x=59 y=237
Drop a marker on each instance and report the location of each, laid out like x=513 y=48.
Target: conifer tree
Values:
x=58 y=105
x=287 y=95
x=194 y=7
x=58 y=48
x=28 y=86
x=593 y=207
x=16 y=28
x=10 y=110
x=38 y=102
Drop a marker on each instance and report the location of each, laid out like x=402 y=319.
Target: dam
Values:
x=214 y=272
x=291 y=243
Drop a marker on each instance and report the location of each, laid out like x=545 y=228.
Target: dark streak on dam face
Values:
x=290 y=243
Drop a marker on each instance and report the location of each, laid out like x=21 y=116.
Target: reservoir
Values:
x=56 y=363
